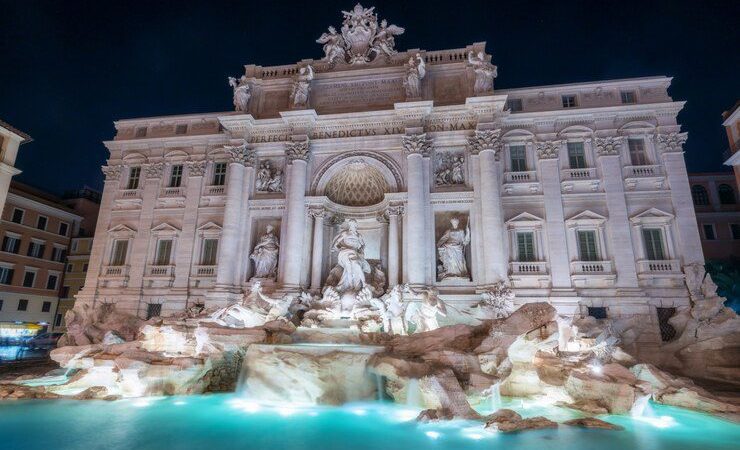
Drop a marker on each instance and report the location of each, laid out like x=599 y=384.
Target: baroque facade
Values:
x=573 y=194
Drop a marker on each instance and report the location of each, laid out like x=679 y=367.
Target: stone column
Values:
x=688 y=238
x=416 y=147
x=607 y=150
x=548 y=153
x=297 y=155
x=317 y=252
x=394 y=255
x=186 y=241
x=486 y=145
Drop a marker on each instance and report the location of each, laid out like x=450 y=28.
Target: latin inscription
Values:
x=357 y=93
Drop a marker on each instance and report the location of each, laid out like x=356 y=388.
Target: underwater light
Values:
x=180 y=403
x=142 y=403
x=286 y=411
x=359 y=412
x=406 y=414
x=433 y=434
x=659 y=422
x=596 y=368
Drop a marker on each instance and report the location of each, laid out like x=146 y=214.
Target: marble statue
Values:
x=361 y=40
x=302 y=87
x=269 y=179
x=414 y=74
x=496 y=303
x=394 y=310
x=424 y=314
x=333 y=46
x=350 y=247
x=242 y=93
x=485 y=72
x=265 y=254
x=451 y=251
x=449 y=169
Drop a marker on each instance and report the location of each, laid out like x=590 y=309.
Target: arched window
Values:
x=726 y=194
x=700 y=195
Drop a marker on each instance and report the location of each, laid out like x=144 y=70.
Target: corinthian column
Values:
x=297 y=154
x=240 y=156
x=317 y=253
x=416 y=147
x=486 y=145
x=394 y=256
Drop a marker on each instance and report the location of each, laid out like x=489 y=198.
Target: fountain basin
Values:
x=308 y=374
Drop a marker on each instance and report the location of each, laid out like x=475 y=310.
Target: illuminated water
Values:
x=228 y=421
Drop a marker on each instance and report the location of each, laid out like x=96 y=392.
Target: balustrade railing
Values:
x=659 y=266
x=591 y=267
x=642 y=171
x=205 y=271
x=520 y=177
x=579 y=174
x=528 y=268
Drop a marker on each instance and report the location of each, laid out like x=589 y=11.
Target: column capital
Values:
x=317 y=212
x=608 y=146
x=484 y=140
x=196 y=168
x=548 y=149
x=154 y=170
x=671 y=142
x=395 y=210
x=416 y=144
x=241 y=154
x=112 y=173
x=298 y=150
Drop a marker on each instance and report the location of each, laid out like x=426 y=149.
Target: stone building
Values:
x=717 y=213
x=10 y=141
x=732 y=128
x=36 y=229
x=574 y=194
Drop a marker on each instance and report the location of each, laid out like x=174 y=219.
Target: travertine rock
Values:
x=592 y=422
x=442 y=390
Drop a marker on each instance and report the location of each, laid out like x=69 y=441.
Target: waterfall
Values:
x=642 y=407
x=379 y=386
x=70 y=366
x=495 y=396
x=412 y=393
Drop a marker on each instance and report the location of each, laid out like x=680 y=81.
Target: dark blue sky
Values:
x=70 y=68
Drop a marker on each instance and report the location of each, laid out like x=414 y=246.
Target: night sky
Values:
x=70 y=68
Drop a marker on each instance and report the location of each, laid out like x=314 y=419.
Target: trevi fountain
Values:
x=394 y=271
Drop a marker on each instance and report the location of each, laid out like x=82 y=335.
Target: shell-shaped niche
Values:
x=357 y=184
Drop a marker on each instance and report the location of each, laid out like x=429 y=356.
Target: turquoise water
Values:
x=228 y=421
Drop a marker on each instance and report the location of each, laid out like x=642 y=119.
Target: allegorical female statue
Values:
x=265 y=254
x=242 y=93
x=350 y=246
x=451 y=251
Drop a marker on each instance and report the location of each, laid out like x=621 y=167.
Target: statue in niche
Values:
x=301 y=87
x=350 y=247
x=269 y=179
x=414 y=74
x=451 y=251
x=485 y=72
x=449 y=169
x=333 y=46
x=242 y=93
x=424 y=314
x=265 y=254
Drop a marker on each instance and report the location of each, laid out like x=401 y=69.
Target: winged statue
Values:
x=333 y=46
x=384 y=41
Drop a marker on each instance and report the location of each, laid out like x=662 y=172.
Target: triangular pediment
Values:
x=652 y=214
x=524 y=217
x=165 y=227
x=587 y=215
x=210 y=226
x=122 y=229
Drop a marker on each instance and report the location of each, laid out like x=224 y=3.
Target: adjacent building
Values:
x=732 y=127
x=36 y=229
x=715 y=198
x=10 y=141
x=574 y=194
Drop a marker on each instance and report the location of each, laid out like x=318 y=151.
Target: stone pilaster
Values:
x=394 y=257
x=317 y=252
x=297 y=155
x=608 y=154
x=417 y=147
x=186 y=241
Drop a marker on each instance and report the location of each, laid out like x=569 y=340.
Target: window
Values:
x=514 y=104
x=63 y=228
x=58 y=320
x=17 y=215
x=36 y=249
x=51 y=282
x=176 y=176
x=153 y=310
x=726 y=194
x=735 y=231
x=164 y=250
x=709 y=231
x=22 y=304
x=219 y=174
x=1 y=304
x=134 y=175
x=699 y=195
x=11 y=244
x=208 y=257
x=70 y=267
x=653 y=239
x=525 y=246
x=84 y=267
x=120 y=248
x=6 y=275
x=28 y=279
x=587 y=249
x=140 y=132
x=41 y=223
x=518 y=158
x=667 y=332
x=628 y=97
x=65 y=292
x=46 y=307
x=638 y=157
x=597 y=312
x=569 y=101
x=181 y=129
x=58 y=254
x=74 y=245
x=576 y=155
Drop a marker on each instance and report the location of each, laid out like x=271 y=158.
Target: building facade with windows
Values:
x=731 y=122
x=36 y=229
x=715 y=198
x=10 y=141
x=574 y=194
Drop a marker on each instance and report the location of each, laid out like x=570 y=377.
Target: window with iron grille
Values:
x=638 y=157
x=667 y=332
x=518 y=158
x=176 y=176
x=569 y=101
x=597 y=312
x=153 y=310
x=576 y=155
x=628 y=97
x=219 y=174
x=134 y=175
x=525 y=246
x=587 y=249
x=653 y=239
